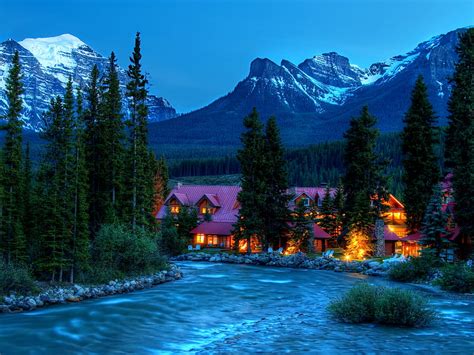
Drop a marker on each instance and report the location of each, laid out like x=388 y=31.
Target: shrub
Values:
x=415 y=269
x=16 y=278
x=402 y=307
x=118 y=253
x=390 y=306
x=457 y=277
x=356 y=306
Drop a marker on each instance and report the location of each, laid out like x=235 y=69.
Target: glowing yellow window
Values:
x=204 y=210
x=199 y=238
x=174 y=209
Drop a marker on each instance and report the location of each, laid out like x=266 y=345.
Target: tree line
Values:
x=96 y=169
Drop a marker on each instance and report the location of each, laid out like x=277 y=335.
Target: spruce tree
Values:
x=27 y=190
x=160 y=185
x=301 y=236
x=13 y=239
x=420 y=164
x=113 y=136
x=94 y=145
x=80 y=252
x=363 y=170
x=276 y=213
x=140 y=179
x=50 y=201
x=460 y=140
x=338 y=205
x=433 y=229
x=252 y=197
x=326 y=216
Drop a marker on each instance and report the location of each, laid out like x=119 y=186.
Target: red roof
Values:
x=319 y=233
x=389 y=235
x=218 y=228
x=413 y=237
x=222 y=197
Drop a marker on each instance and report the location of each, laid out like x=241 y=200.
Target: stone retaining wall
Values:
x=298 y=260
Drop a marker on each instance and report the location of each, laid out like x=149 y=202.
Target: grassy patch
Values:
x=16 y=279
x=413 y=270
x=390 y=306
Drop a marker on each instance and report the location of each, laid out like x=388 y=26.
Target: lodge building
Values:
x=218 y=210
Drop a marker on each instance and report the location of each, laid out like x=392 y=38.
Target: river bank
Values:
x=76 y=293
x=299 y=261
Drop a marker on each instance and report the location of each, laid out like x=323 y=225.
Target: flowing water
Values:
x=221 y=308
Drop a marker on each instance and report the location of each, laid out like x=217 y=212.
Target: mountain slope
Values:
x=314 y=100
x=47 y=64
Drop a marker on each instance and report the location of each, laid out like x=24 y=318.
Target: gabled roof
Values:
x=182 y=198
x=320 y=233
x=212 y=198
x=222 y=196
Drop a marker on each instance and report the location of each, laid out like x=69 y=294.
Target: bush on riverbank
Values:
x=15 y=278
x=457 y=278
x=118 y=253
x=391 y=306
x=416 y=269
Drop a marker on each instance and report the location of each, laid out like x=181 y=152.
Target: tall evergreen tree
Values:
x=13 y=241
x=80 y=252
x=113 y=137
x=252 y=197
x=51 y=257
x=362 y=177
x=141 y=177
x=160 y=185
x=460 y=140
x=27 y=190
x=95 y=151
x=326 y=218
x=433 y=229
x=276 y=213
x=301 y=236
x=420 y=164
x=338 y=205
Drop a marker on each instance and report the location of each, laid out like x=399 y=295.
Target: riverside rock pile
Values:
x=298 y=261
x=77 y=293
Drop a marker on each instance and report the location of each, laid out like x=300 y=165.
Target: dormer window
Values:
x=174 y=209
x=208 y=204
x=305 y=201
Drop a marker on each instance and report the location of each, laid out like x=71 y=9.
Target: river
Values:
x=221 y=308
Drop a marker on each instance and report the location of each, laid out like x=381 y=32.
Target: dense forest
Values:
x=307 y=166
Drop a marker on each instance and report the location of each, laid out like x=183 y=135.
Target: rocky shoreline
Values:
x=298 y=260
x=76 y=293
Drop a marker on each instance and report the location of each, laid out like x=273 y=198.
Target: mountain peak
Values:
x=64 y=41
x=263 y=67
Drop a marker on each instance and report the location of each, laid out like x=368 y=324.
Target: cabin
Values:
x=218 y=210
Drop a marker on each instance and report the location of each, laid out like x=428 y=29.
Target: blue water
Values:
x=220 y=308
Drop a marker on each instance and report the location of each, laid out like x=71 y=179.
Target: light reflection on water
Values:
x=220 y=308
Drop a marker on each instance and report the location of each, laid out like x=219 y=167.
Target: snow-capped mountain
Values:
x=315 y=99
x=47 y=63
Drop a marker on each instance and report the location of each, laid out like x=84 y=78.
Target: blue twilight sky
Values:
x=197 y=50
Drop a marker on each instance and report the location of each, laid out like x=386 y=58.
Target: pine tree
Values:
x=160 y=185
x=276 y=213
x=252 y=197
x=420 y=164
x=141 y=177
x=27 y=190
x=13 y=239
x=113 y=138
x=433 y=229
x=50 y=225
x=301 y=236
x=460 y=140
x=80 y=253
x=363 y=172
x=338 y=204
x=326 y=218
x=94 y=145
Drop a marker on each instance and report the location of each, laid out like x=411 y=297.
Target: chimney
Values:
x=179 y=185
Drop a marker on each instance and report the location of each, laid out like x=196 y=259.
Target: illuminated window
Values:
x=174 y=209
x=200 y=238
